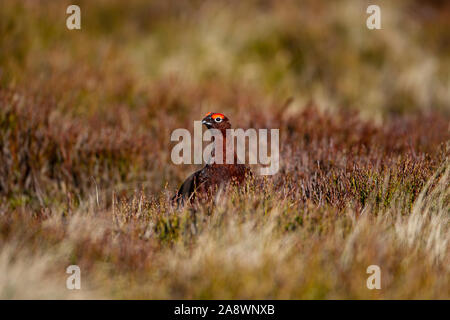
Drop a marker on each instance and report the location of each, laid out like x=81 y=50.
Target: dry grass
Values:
x=86 y=175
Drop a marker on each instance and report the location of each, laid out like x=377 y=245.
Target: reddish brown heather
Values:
x=86 y=175
x=70 y=179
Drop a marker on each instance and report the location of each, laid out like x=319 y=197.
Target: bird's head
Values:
x=213 y=120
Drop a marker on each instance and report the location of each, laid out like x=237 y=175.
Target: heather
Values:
x=86 y=175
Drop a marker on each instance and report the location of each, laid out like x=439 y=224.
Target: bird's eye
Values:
x=218 y=119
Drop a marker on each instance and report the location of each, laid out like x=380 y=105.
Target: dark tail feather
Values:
x=186 y=190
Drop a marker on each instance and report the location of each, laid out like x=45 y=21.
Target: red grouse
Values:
x=205 y=181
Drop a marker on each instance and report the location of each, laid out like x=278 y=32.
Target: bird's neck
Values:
x=226 y=146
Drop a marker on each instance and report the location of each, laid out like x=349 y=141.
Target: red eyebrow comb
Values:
x=217 y=115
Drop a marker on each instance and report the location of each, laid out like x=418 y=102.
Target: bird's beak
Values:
x=207 y=123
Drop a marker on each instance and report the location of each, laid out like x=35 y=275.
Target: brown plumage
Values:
x=204 y=182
